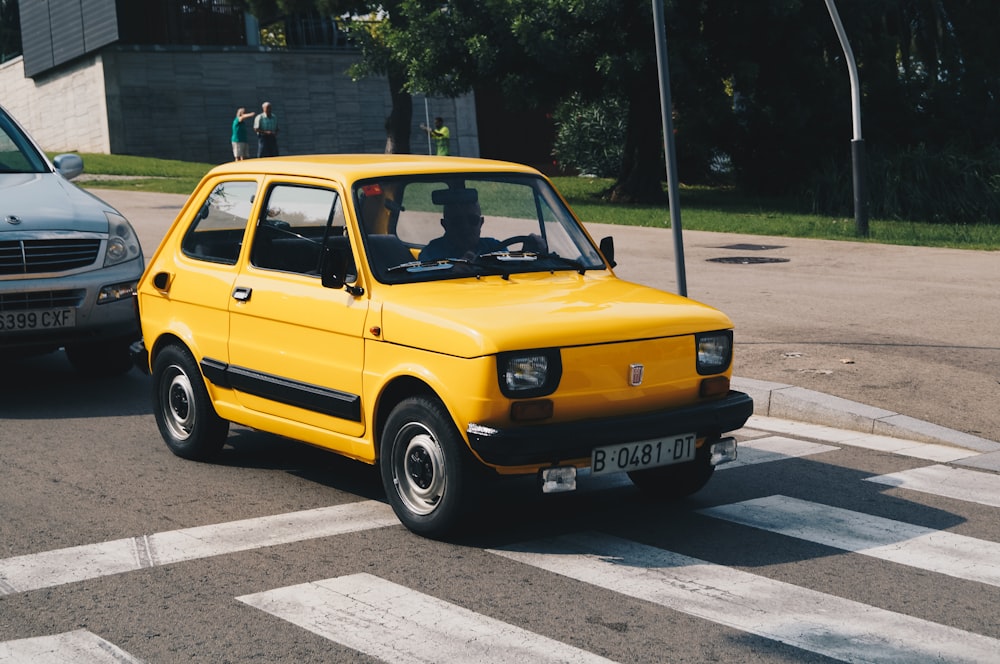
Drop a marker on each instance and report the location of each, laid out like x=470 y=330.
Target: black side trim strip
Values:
x=344 y=405
x=215 y=372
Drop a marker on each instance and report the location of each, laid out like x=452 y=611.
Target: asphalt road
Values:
x=912 y=330
x=817 y=546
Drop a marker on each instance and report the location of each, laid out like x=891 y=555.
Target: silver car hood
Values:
x=47 y=202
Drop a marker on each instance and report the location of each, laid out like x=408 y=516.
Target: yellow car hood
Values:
x=476 y=317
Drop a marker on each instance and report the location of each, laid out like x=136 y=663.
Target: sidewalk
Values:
x=895 y=341
x=876 y=336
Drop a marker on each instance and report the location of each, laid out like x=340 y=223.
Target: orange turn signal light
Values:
x=716 y=386
x=531 y=411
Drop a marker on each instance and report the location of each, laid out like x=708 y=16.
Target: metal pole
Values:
x=427 y=123
x=858 y=143
x=673 y=196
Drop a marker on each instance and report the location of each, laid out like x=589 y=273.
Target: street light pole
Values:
x=673 y=196
x=858 y=143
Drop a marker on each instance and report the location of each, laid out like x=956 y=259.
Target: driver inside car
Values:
x=462 y=224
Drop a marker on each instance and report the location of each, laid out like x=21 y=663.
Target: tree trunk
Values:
x=643 y=172
x=397 y=125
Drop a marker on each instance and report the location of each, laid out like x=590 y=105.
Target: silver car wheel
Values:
x=418 y=468
x=177 y=403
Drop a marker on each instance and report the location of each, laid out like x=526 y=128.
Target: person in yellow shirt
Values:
x=441 y=136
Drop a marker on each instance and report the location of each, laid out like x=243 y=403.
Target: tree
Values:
x=928 y=87
x=538 y=53
x=762 y=83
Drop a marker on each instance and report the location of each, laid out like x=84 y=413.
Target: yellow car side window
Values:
x=216 y=234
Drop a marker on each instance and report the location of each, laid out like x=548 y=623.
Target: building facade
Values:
x=102 y=76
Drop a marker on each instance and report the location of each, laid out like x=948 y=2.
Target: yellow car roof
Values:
x=350 y=167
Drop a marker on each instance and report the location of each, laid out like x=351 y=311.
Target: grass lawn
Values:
x=702 y=208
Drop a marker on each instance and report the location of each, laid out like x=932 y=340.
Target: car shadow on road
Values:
x=514 y=510
x=47 y=387
x=248 y=448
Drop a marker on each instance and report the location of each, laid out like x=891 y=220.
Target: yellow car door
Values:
x=295 y=348
x=193 y=277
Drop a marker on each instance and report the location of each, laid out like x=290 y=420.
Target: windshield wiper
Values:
x=529 y=256
x=510 y=256
x=436 y=264
x=571 y=262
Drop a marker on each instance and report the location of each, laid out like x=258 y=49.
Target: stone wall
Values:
x=63 y=112
x=179 y=104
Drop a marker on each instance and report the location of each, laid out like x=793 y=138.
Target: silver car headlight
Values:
x=528 y=374
x=715 y=351
x=123 y=243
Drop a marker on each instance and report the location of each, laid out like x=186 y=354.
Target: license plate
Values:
x=643 y=454
x=44 y=319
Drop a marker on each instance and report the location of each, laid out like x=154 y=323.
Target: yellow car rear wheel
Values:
x=183 y=410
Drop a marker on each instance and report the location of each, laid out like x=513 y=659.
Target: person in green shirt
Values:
x=441 y=136
x=241 y=150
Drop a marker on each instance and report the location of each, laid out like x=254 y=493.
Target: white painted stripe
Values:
x=962 y=484
x=395 y=624
x=807 y=619
x=901 y=446
x=773 y=448
x=937 y=551
x=90 y=561
x=77 y=647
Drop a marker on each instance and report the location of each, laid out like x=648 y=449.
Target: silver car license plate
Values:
x=643 y=454
x=42 y=319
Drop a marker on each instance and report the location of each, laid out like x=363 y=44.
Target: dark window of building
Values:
x=181 y=22
x=10 y=30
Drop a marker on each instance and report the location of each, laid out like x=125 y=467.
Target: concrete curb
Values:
x=796 y=403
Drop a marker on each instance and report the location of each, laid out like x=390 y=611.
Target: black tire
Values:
x=184 y=413
x=679 y=480
x=101 y=360
x=426 y=468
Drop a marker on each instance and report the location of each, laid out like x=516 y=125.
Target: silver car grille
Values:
x=41 y=300
x=42 y=256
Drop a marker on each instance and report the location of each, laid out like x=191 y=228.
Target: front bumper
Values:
x=558 y=443
x=95 y=323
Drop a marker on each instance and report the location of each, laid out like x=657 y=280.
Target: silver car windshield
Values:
x=453 y=225
x=17 y=154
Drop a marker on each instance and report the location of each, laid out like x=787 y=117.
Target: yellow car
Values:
x=448 y=319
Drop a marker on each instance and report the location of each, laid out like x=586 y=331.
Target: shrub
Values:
x=590 y=136
x=946 y=186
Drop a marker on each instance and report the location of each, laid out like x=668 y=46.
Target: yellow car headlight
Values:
x=715 y=351
x=528 y=374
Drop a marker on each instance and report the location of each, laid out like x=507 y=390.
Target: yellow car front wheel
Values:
x=425 y=467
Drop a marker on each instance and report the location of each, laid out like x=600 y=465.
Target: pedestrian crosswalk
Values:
x=79 y=563
x=76 y=647
x=959 y=483
x=924 y=548
x=811 y=620
x=391 y=622
x=397 y=624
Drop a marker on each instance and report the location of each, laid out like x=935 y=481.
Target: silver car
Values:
x=69 y=262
